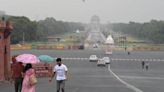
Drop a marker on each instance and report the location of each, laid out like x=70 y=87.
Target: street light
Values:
x=125 y=43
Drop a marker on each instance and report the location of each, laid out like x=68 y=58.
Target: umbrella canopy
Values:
x=27 y=58
x=46 y=58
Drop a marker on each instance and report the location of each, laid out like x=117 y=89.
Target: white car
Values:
x=101 y=62
x=93 y=58
x=106 y=59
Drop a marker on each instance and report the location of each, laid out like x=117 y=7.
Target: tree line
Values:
x=34 y=31
x=152 y=31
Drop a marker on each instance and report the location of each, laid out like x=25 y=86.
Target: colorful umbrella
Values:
x=27 y=58
x=46 y=58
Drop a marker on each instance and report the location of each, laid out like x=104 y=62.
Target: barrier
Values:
x=146 y=49
x=43 y=70
x=46 y=47
x=49 y=47
x=20 y=47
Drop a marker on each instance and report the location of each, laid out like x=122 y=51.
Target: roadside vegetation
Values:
x=38 y=31
x=150 y=32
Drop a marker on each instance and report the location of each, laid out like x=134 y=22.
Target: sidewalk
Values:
x=42 y=86
x=6 y=86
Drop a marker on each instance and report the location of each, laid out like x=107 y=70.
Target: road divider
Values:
x=122 y=59
x=65 y=58
x=116 y=59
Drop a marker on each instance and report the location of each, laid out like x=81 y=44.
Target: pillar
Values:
x=5 y=30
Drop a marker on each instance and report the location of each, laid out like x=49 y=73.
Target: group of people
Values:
x=145 y=65
x=21 y=76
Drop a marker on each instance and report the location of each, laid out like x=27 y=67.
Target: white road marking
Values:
x=117 y=59
x=125 y=83
x=142 y=77
x=66 y=58
x=121 y=59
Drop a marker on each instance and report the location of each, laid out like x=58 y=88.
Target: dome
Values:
x=94 y=19
x=109 y=40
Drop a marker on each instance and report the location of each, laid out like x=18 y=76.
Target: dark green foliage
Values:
x=40 y=30
x=152 y=31
x=23 y=25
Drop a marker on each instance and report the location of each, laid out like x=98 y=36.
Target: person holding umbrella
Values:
x=29 y=81
x=60 y=70
x=16 y=73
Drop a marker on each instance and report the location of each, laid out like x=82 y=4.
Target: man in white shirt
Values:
x=60 y=70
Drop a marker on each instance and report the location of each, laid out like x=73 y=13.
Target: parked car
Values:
x=107 y=60
x=101 y=62
x=93 y=58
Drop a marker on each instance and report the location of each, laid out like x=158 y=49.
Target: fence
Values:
x=43 y=70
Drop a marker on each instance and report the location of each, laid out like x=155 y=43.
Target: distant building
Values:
x=94 y=33
x=95 y=23
x=53 y=39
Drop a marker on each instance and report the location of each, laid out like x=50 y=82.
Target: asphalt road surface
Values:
x=124 y=74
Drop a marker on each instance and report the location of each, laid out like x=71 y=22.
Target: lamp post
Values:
x=125 y=43
x=23 y=39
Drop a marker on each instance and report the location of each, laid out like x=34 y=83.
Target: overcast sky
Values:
x=79 y=11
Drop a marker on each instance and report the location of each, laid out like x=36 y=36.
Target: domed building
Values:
x=95 y=23
x=94 y=36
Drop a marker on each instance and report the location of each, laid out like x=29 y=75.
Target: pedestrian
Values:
x=28 y=73
x=143 y=64
x=147 y=65
x=60 y=70
x=16 y=74
x=128 y=53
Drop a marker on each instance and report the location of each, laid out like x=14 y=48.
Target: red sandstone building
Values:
x=5 y=30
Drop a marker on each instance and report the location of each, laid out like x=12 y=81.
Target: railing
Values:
x=43 y=70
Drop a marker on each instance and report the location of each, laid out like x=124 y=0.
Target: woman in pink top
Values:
x=29 y=71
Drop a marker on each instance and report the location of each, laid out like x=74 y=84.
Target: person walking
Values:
x=143 y=65
x=28 y=72
x=147 y=65
x=16 y=74
x=128 y=53
x=60 y=70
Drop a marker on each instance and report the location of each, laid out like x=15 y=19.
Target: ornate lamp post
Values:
x=5 y=31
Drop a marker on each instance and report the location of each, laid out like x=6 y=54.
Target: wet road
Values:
x=122 y=75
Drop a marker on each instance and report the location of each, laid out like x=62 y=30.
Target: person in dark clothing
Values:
x=143 y=64
x=147 y=65
x=16 y=72
x=128 y=53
